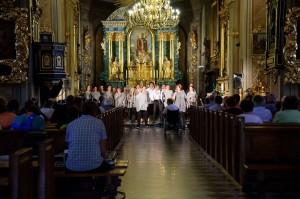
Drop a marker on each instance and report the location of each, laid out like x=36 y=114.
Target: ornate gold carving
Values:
x=117 y=13
x=123 y=3
x=20 y=64
x=194 y=58
x=259 y=29
x=103 y=46
x=86 y=38
x=193 y=40
x=110 y=36
x=115 y=23
x=76 y=13
x=172 y=35
x=7 y=4
x=160 y=36
x=178 y=46
x=120 y=36
x=45 y=28
x=292 y=69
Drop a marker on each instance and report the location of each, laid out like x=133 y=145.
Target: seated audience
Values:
x=106 y=105
x=217 y=106
x=210 y=103
x=290 y=112
x=60 y=109
x=78 y=102
x=237 y=99
x=6 y=117
x=247 y=108
x=48 y=109
x=260 y=110
x=71 y=114
x=271 y=103
x=86 y=138
x=13 y=106
x=231 y=104
x=30 y=120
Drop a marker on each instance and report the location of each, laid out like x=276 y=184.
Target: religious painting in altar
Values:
x=141 y=54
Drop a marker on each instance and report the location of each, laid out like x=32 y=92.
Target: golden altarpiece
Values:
x=138 y=55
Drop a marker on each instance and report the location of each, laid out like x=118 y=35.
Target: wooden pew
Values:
x=255 y=153
x=270 y=156
x=20 y=174
x=46 y=183
x=10 y=141
x=112 y=183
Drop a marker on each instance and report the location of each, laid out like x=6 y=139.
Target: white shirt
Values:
x=141 y=102
x=157 y=95
x=151 y=94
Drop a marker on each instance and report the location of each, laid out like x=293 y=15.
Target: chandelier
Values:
x=153 y=14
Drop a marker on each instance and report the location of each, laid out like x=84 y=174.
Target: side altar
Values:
x=137 y=54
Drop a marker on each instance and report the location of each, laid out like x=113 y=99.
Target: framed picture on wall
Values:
x=259 y=43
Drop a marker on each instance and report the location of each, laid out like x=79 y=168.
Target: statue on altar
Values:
x=142 y=44
x=167 y=69
x=115 y=70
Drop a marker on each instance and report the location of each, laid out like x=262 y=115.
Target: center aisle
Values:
x=170 y=167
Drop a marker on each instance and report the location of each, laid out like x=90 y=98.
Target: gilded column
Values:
x=222 y=49
x=120 y=37
x=110 y=35
x=172 y=53
x=161 y=52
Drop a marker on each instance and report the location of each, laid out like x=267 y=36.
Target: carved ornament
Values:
x=19 y=65
x=259 y=29
x=115 y=23
x=292 y=69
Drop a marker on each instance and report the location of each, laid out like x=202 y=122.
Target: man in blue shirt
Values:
x=86 y=138
x=260 y=110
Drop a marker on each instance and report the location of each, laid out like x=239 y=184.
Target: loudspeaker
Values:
x=237 y=80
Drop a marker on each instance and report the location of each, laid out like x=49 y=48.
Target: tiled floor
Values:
x=173 y=167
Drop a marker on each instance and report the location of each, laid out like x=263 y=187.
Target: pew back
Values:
x=20 y=174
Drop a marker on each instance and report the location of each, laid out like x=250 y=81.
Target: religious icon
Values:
x=46 y=61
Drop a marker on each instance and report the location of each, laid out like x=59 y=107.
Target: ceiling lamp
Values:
x=153 y=14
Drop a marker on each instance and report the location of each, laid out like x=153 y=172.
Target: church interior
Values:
x=52 y=49
x=235 y=47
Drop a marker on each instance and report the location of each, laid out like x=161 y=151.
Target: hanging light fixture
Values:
x=153 y=14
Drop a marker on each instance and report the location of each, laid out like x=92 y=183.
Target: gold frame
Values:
x=129 y=44
x=292 y=65
x=19 y=65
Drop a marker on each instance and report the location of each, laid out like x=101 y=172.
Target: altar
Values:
x=138 y=54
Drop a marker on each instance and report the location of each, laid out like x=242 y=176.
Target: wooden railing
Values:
x=217 y=134
x=114 y=124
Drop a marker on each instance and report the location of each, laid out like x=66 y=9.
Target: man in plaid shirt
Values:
x=86 y=138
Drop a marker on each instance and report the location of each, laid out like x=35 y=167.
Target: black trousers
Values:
x=157 y=104
x=143 y=114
